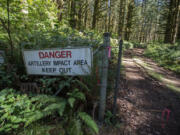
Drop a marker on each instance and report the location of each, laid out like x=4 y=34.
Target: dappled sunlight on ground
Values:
x=142 y=101
x=161 y=74
x=132 y=70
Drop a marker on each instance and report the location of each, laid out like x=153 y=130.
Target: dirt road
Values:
x=142 y=100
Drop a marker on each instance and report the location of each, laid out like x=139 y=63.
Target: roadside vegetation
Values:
x=158 y=76
x=166 y=55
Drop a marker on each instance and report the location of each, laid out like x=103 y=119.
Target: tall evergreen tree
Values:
x=95 y=13
x=122 y=10
x=130 y=15
x=73 y=20
x=172 y=22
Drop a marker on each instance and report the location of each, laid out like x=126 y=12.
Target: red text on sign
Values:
x=55 y=54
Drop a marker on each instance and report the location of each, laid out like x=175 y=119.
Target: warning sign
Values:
x=66 y=61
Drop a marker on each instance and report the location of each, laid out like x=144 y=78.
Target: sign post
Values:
x=105 y=62
x=59 y=61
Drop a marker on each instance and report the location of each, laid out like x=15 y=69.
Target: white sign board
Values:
x=66 y=61
x=1 y=57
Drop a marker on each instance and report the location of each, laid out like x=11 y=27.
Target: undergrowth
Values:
x=18 y=111
x=166 y=55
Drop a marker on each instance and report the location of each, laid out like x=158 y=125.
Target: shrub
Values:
x=166 y=55
x=19 y=110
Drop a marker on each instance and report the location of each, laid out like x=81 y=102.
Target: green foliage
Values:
x=19 y=110
x=47 y=84
x=82 y=124
x=26 y=17
x=128 y=45
x=41 y=128
x=83 y=85
x=7 y=76
x=166 y=55
x=108 y=118
x=71 y=101
x=76 y=94
x=88 y=121
x=74 y=119
x=139 y=45
x=131 y=45
x=11 y=107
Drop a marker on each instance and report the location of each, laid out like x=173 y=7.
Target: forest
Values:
x=129 y=83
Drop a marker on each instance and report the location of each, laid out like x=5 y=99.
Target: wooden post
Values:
x=104 y=76
x=118 y=76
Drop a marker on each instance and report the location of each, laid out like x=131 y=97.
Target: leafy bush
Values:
x=166 y=55
x=128 y=45
x=139 y=45
x=19 y=110
x=131 y=45
x=108 y=118
x=7 y=76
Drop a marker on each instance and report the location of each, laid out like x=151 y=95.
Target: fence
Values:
x=104 y=57
x=102 y=54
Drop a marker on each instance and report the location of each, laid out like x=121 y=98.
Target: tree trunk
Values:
x=9 y=29
x=73 y=14
x=60 y=4
x=79 y=16
x=178 y=37
x=172 y=22
x=95 y=13
x=121 y=17
x=176 y=21
x=86 y=15
x=129 y=20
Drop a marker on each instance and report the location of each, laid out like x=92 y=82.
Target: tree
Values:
x=130 y=15
x=172 y=21
x=73 y=20
x=95 y=13
x=60 y=4
x=121 y=21
x=6 y=26
x=178 y=37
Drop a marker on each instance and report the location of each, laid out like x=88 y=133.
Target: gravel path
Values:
x=142 y=100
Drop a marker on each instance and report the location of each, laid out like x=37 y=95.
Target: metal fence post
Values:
x=104 y=76
x=117 y=77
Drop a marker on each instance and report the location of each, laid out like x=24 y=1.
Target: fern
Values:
x=61 y=110
x=75 y=127
x=71 y=101
x=18 y=108
x=88 y=121
x=54 y=106
x=81 y=84
x=36 y=116
x=49 y=110
x=77 y=95
x=45 y=99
